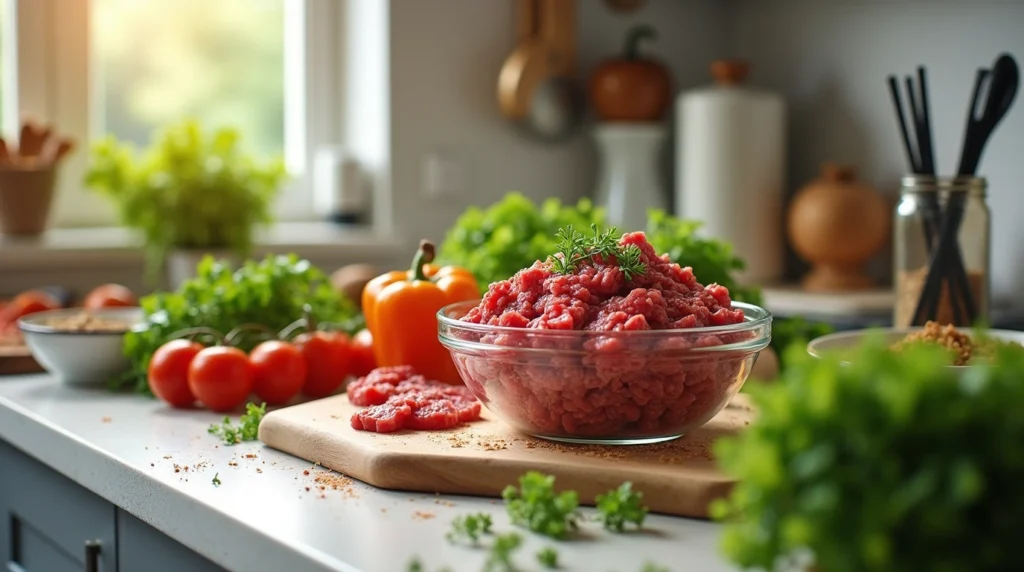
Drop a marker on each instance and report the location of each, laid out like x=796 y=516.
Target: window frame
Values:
x=47 y=61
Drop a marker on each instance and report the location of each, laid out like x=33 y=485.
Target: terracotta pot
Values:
x=26 y=197
x=631 y=88
x=836 y=223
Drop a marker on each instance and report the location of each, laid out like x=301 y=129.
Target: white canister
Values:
x=630 y=182
x=730 y=168
x=339 y=191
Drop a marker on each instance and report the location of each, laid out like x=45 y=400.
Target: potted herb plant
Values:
x=191 y=193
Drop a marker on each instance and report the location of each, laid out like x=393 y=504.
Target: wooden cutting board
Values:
x=481 y=458
x=16 y=360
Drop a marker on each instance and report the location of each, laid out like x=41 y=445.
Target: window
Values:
x=269 y=68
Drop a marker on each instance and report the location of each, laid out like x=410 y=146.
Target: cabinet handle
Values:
x=92 y=556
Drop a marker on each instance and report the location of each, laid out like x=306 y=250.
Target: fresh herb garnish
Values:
x=575 y=247
x=537 y=507
x=469 y=527
x=499 y=559
x=216 y=480
x=548 y=557
x=652 y=567
x=247 y=428
x=620 y=506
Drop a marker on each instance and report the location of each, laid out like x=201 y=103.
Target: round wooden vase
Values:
x=837 y=224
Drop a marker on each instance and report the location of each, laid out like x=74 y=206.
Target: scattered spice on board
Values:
x=106 y=420
x=422 y=515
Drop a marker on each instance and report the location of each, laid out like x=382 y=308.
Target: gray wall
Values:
x=829 y=57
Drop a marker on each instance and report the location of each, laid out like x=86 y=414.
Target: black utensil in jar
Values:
x=1003 y=85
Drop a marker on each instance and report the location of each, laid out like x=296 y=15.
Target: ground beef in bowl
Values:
x=591 y=354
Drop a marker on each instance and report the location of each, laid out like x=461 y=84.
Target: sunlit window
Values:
x=220 y=61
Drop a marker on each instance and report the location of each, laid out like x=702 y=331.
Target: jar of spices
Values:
x=917 y=224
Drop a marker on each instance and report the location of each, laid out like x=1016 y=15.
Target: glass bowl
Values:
x=625 y=387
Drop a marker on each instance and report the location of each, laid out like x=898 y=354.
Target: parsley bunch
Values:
x=575 y=247
x=536 y=506
x=620 y=506
x=892 y=463
x=271 y=292
x=470 y=527
x=247 y=429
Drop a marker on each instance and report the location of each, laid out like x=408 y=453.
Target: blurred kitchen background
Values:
x=387 y=115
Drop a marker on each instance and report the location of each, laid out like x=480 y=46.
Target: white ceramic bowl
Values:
x=849 y=340
x=79 y=358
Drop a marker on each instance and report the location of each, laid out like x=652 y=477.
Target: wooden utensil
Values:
x=535 y=86
x=480 y=458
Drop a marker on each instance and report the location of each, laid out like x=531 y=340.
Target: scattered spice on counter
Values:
x=106 y=420
x=232 y=463
x=259 y=470
x=423 y=515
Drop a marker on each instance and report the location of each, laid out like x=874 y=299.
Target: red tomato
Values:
x=279 y=371
x=27 y=303
x=363 y=361
x=168 y=372
x=221 y=378
x=110 y=296
x=328 y=361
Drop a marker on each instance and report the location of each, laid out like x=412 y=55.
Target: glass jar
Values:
x=916 y=235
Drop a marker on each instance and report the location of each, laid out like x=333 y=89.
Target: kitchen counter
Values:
x=268 y=513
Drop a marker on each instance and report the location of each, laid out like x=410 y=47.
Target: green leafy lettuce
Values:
x=271 y=292
x=512 y=234
x=892 y=463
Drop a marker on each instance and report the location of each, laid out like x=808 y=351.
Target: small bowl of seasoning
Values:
x=966 y=346
x=81 y=347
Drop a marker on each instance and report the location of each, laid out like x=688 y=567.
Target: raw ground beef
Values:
x=616 y=385
x=399 y=398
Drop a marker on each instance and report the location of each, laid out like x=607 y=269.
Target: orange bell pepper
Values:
x=401 y=313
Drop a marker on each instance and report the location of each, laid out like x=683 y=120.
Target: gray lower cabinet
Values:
x=49 y=523
x=142 y=548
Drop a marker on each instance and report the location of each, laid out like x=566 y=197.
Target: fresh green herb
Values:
x=548 y=557
x=787 y=332
x=216 y=480
x=652 y=567
x=620 y=506
x=469 y=527
x=190 y=189
x=536 y=506
x=247 y=429
x=271 y=292
x=499 y=559
x=894 y=462
x=575 y=247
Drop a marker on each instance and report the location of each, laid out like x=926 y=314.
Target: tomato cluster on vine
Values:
x=221 y=377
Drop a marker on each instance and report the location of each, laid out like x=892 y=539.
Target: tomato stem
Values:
x=425 y=255
x=290 y=329
x=633 y=39
x=191 y=334
x=239 y=330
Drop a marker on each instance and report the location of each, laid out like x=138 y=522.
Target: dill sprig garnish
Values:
x=575 y=247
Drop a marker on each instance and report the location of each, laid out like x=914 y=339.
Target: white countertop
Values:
x=262 y=517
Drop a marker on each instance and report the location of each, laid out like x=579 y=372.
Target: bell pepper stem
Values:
x=633 y=39
x=425 y=255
